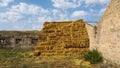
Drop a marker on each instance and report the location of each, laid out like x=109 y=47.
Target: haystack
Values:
x=63 y=39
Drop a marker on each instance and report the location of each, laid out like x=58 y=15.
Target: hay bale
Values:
x=63 y=38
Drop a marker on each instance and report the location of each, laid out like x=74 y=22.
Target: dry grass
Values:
x=24 y=59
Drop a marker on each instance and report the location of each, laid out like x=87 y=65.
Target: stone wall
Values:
x=63 y=39
x=92 y=36
x=108 y=33
x=18 y=39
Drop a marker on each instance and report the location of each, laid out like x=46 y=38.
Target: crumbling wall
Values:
x=18 y=39
x=108 y=33
x=63 y=39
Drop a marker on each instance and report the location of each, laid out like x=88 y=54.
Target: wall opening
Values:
x=2 y=41
x=34 y=41
x=18 y=41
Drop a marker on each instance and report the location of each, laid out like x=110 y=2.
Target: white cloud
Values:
x=24 y=14
x=96 y=1
x=66 y=4
x=60 y=15
x=44 y=18
x=95 y=12
x=5 y=3
x=24 y=8
x=79 y=14
x=10 y=16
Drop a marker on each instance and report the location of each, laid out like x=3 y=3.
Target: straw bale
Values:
x=63 y=38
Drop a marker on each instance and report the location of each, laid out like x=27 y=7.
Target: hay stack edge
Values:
x=67 y=38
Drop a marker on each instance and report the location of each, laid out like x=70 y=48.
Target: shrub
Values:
x=93 y=57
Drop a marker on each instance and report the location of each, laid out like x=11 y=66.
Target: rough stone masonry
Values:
x=108 y=33
x=18 y=39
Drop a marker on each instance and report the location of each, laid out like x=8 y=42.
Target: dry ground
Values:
x=24 y=59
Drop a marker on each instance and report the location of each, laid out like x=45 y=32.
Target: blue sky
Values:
x=31 y=14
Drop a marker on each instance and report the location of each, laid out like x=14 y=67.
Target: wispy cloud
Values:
x=66 y=4
x=97 y=1
x=79 y=13
x=4 y=3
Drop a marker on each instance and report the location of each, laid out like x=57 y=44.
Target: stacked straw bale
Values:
x=63 y=39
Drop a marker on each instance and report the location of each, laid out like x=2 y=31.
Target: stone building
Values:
x=18 y=39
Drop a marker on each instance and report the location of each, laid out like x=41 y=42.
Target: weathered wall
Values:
x=108 y=33
x=92 y=36
x=18 y=39
x=63 y=39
